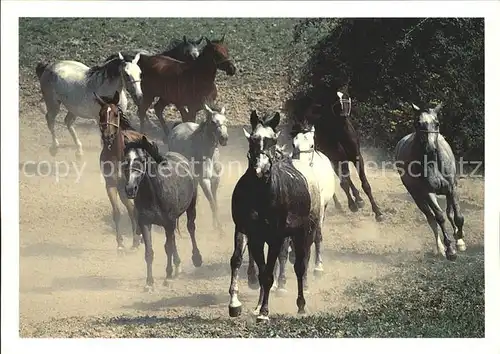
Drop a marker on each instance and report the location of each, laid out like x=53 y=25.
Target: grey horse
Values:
x=199 y=144
x=426 y=165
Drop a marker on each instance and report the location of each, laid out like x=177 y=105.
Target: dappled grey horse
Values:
x=199 y=144
x=426 y=164
x=74 y=84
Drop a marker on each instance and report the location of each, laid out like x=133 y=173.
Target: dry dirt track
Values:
x=69 y=265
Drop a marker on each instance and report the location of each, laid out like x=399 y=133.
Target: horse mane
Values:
x=147 y=145
x=125 y=123
x=111 y=68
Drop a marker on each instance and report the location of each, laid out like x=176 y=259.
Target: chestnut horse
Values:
x=186 y=85
x=116 y=131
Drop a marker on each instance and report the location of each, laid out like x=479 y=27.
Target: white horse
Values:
x=74 y=84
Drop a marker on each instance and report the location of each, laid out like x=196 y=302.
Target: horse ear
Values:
x=222 y=38
x=136 y=58
x=254 y=119
x=99 y=99
x=415 y=107
x=120 y=56
x=200 y=40
x=116 y=98
x=247 y=134
x=208 y=109
x=313 y=129
x=208 y=40
x=223 y=110
x=184 y=39
x=274 y=121
x=340 y=94
x=277 y=134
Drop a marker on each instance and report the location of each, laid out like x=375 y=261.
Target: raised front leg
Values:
x=240 y=242
x=360 y=166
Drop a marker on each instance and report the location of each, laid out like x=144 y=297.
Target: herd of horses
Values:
x=282 y=197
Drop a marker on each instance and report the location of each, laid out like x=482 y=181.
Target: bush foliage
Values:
x=386 y=64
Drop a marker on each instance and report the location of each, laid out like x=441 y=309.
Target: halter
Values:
x=429 y=131
x=343 y=101
x=112 y=136
x=313 y=150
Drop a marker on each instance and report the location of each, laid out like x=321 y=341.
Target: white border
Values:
x=12 y=10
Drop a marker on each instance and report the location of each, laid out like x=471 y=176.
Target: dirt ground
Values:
x=69 y=265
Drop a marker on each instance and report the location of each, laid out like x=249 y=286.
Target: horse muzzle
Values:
x=131 y=191
x=223 y=140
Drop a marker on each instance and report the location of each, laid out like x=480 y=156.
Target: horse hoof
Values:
x=78 y=155
x=177 y=271
x=262 y=319
x=149 y=289
x=360 y=203
x=451 y=256
x=234 y=311
x=318 y=271
x=353 y=207
x=197 y=260
x=379 y=218
x=301 y=312
x=120 y=250
x=134 y=248
x=461 y=245
x=274 y=287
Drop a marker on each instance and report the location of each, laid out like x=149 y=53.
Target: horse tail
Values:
x=40 y=68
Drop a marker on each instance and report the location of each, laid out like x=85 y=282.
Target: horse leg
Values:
x=112 y=192
x=147 y=99
x=267 y=276
x=342 y=169
x=205 y=184
x=132 y=213
x=69 y=120
x=300 y=267
x=253 y=280
x=318 y=240
x=338 y=206
x=240 y=242
x=281 y=267
x=170 y=249
x=159 y=108
x=459 y=221
x=191 y=226
x=360 y=166
x=149 y=254
x=431 y=219
x=451 y=252
x=53 y=108
x=256 y=248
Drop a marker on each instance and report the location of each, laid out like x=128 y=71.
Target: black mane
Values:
x=125 y=123
x=111 y=68
x=149 y=146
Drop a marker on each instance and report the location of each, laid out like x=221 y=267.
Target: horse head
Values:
x=427 y=126
x=218 y=123
x=132 y=76
x=220 y=53
x=262 y=142
x=191 y=48
x=109 y=118
x=342 y=105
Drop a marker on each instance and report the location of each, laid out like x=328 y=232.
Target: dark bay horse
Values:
x=337 y=138
x=186 y=85
x=427 y=166
x=116 y=131
x=163 y=188
x=270 y=203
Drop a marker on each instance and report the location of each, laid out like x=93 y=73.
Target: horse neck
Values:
x=205 y=139
x=206 y=66
x=100 y=84
x=431 y=165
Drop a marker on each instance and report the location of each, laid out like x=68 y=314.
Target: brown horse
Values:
x=186 y=85
x=337 y=138
x=116 y=131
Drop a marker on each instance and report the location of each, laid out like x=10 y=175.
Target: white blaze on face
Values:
x=133 y=73
x=108 y=112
